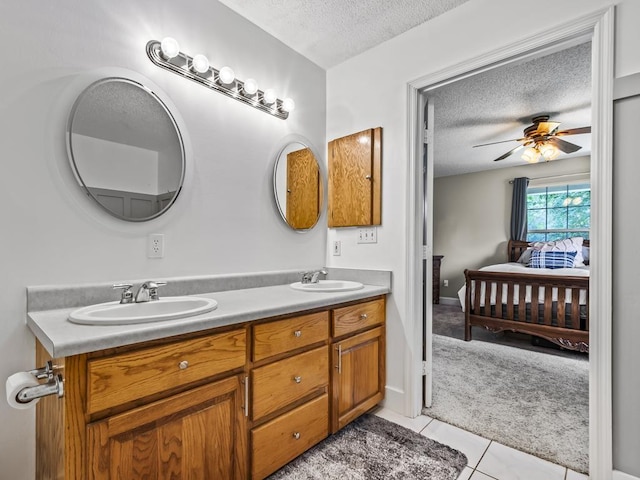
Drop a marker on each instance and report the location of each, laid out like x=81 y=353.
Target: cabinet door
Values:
x=304 y=190
x=354 y=179
x=358 y=376
x=197 y=434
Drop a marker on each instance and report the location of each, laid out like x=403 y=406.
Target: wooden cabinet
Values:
x=231 y=403
x=193 y=435
x=354 y=165
x=166 y=409
x=358 y=361
x=304 y=189
x=290 y=389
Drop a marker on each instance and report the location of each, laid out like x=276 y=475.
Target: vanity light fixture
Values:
x=166 y=54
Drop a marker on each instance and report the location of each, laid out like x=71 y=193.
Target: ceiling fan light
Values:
x=549 y=152
x=531 y=155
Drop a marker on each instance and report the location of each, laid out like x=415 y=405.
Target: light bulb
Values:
x=531 y=155
x=549 y=152
x=200 y=63
x=269 y=96
x=250 y=87
x=288 y=105
x=226 y=75
x=169 y=48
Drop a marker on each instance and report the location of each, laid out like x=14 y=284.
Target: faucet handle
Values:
x=153 y=288
x=127 y=294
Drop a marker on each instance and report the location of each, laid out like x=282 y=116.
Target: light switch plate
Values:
x=367 y=235
x=337 y=248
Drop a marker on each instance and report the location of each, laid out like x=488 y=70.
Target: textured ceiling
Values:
x=498 y=104
x=489 y=107
x=330 y=31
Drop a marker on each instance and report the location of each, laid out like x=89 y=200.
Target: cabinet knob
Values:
x=296 y=435
x=368 y=177
x=297 y=333
x=297 y=379
x=363 y=316
x=183 y=365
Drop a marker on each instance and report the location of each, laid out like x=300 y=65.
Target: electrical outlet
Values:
x=337 y=248
x=445 y=283
x=367 y=235
x=155 y=245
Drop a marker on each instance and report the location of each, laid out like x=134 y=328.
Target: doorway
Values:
x=599 y=28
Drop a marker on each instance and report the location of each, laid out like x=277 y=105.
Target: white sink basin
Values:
x=167 y=308
x=328 y=286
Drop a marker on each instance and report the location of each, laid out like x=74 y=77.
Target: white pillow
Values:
x=573 y=244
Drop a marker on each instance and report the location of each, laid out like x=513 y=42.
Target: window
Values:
x=556 y=212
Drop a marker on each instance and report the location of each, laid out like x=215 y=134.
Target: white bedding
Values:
x=521 y=268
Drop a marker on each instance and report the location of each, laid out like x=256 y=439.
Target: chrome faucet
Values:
x=312 y=277
x=148 y=291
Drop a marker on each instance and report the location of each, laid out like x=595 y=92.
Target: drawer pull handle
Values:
x=183 y=365
x=297 y=333
x=363 y=316
x=296 y=435
x=297 y=379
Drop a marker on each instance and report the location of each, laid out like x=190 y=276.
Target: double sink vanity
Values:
x=266 y=369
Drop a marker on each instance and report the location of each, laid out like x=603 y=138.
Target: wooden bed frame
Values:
x=556 y=322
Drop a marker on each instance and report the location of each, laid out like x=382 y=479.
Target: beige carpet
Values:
x=531 y=401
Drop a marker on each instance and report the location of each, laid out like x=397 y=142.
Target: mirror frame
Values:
x=322 y=182
x=74 y=165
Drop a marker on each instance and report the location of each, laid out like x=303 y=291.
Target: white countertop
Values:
x=63 y=338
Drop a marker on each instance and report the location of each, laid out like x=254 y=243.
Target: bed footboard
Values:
x=555 y=308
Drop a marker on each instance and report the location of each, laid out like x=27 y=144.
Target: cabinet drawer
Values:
x=281 y=336
x=129 y=376
x=359 y=316
x=280 y=383
x=279 y=441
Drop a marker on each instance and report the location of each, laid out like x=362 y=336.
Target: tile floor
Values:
x=488 y=460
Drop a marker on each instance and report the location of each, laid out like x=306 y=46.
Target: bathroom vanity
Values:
x=231 y=394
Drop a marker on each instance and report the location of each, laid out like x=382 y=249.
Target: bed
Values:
x=502 y=298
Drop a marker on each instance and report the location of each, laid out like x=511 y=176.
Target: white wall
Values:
x=225 y=219
x=116 y=166
x=370 y=90
x=472 y=215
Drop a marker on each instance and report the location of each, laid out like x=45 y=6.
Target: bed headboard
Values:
x=516 y=247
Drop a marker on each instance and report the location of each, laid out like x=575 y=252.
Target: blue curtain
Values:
x=519 y=209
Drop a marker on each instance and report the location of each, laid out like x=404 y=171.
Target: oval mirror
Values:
x=297 y=185
x=126 y=149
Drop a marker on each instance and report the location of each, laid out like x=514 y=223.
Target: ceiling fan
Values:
x=541 y=140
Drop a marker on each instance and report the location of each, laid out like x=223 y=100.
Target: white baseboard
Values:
x=394 y=399
x=618 y=475
x=450 y=301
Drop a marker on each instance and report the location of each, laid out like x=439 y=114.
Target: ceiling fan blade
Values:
x=565 y=147
x=510 y=152
x=574 y=131
x=501 y=141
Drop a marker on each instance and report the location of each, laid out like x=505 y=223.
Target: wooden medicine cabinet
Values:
x=355 y=179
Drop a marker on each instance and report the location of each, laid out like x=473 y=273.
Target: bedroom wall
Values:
x=224 y=221
x=471 y=216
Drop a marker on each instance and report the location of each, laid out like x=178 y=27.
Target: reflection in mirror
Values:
x=126 y=149
x=298 y=186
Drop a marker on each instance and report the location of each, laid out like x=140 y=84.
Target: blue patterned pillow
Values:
x=545 y=259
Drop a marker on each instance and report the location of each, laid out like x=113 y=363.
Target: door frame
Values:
x=599 y=26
